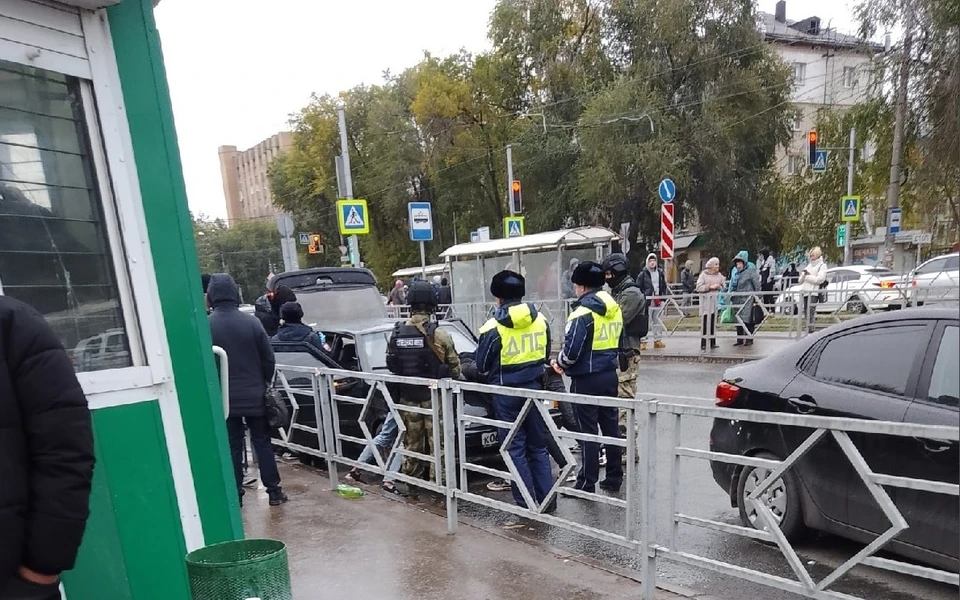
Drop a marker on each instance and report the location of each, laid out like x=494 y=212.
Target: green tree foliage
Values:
x=599 y=100
x=248 y=251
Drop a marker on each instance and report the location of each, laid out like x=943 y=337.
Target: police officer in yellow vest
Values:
x=513 y=350
x=590 y=358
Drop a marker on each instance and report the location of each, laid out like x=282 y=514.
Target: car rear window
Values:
x=375 y=346
x=878 y=359
x=327 y=308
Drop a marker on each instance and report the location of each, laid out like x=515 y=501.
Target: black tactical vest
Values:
x=640 y=324
x=409 y=354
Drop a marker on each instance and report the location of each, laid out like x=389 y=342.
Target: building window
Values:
x=794 y=164
x=799 y=73
x=849 y=77
x=55 y=251
x=797 y=121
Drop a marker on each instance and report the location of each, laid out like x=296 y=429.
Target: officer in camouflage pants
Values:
x=419 y=348
x=633 y=306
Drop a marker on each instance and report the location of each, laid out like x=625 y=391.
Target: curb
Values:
x=435 y=509
x=699 y=358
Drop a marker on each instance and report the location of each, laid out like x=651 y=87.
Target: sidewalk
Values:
x=687 y=349
x=378 y=548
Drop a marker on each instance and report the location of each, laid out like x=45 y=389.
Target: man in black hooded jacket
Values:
x=293 y=329
x=251 y=366
x=46 y=456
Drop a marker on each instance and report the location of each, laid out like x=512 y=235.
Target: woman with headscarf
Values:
x=709 y=284
x=745 y=281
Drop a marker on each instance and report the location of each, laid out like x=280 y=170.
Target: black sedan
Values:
x=900 y=367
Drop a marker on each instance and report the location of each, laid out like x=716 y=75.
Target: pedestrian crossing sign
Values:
x=353 y=217
x=850 y=209
x=820 y=164
x=513 y=227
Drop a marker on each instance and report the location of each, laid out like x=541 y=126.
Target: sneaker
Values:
x=572 y=477
x=278 y=498
x=354 y=475
x=603 y=458
x=659 y=344
x=248 y=481
x=500 y=485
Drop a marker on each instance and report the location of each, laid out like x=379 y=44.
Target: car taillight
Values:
x=726 y=393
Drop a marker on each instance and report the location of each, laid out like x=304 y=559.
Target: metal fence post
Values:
x=323 y=397
x=648 y=503
x=631 y=482
x=449 y=455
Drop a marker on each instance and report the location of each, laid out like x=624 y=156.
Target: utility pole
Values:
x=900 y=115
x=847 y=248
x=513 y=213
x=353 y=243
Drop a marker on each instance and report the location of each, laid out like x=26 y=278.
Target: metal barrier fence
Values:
x=785 y=314
x=646 y=482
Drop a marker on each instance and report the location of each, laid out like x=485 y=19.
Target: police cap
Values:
x=508 y=285
x=588 y=274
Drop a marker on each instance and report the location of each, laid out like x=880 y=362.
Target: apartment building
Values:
x=244 y=173
x=831 y=69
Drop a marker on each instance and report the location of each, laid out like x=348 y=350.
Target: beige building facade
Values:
x=244 y=173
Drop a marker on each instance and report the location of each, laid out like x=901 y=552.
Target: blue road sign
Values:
x=667 y=190
x=820 y=164
x=352 y=216
x=421 y=221
x=895 y=216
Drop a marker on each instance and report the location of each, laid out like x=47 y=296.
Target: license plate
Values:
x=489 y=439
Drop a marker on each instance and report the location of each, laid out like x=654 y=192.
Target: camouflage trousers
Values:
x=418 y=438
x=627 y=387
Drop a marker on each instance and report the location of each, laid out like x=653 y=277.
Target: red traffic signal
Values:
x=316 y=244
x=516 y=200
x=812 y=142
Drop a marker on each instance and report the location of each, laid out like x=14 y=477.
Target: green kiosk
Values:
x=95 y=233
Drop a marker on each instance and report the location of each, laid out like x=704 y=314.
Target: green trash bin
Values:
x=240 y=570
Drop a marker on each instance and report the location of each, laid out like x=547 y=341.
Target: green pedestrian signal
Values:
x=841 y=236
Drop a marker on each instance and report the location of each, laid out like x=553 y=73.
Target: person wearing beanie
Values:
x=513 y=349
x=292 y=328
x=267 y=307
x=745 y=284
x=590 y=358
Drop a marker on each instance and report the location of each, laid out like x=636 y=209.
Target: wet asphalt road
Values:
x=701 y=497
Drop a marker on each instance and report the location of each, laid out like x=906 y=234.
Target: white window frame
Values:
x=799 y=73
x=794 y=164
x=797 y=123
x=121 y=204
x=849 y=78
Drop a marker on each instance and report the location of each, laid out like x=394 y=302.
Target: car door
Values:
x=867 y=372
x=836 y=283
x=933 y=518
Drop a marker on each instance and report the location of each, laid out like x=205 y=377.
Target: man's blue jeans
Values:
x=384 y=441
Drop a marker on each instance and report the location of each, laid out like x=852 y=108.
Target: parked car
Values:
x=362 y=347
x=899 y=367
x=937 y=279
x=853 y=288
x=331 y=295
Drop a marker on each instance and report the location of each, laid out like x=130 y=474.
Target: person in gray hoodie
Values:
x=653 y=284
x=251 y=366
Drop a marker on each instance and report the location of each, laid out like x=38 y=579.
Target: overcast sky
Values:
x=238 y=68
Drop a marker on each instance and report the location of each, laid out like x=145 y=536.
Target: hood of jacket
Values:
x=646 y=263
x=517 y=315
x=745 y=257
x=599 y=302
x=223 y=291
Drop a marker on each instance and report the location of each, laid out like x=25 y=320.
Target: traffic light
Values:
x=516 y=201
x=316 y=244
x=812 y=141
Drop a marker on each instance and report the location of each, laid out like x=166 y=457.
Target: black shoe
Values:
x=610 y=486
x=392 y=489
x=748 y=343
x=739 y=343
x=713 y=345
x=278 y=498
x=355 y=475
x=703 y=346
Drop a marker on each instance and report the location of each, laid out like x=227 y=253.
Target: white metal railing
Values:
x=645 y=482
